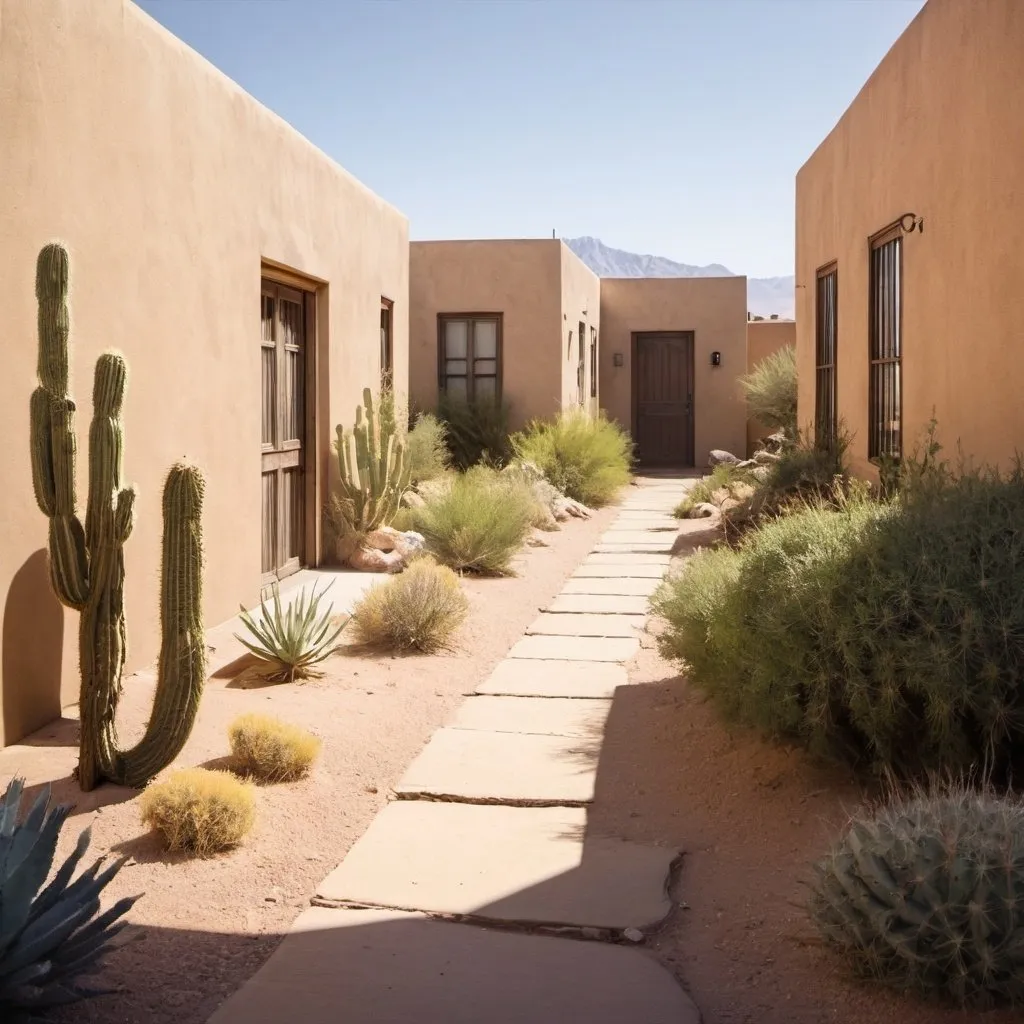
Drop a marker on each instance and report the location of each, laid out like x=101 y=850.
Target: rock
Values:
x=383 y=539
x=633 y=934
x=720 y=495
x=366 y=559
x=718 y=457
x=746 y=464
x=775 y=442
x=412 y=500
x=410 y=544
x=427 y=489
x=729 y=504
x=570 y=508
x=536 y=540
x=761 y=473
x=702 y=510
x=765 y=458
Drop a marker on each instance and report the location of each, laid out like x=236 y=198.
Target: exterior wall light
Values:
x=617 y=359
x=716 y=358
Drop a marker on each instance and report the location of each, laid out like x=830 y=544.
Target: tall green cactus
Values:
x=87 y=563
x=372 y=467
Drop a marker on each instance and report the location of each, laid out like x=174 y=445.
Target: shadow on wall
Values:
x=33 y=642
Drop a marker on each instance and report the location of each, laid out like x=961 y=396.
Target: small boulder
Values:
x=765 y=458
x=412 y=500
x=719 y=457
x=702 y=510
x=761 y=473
x=366 y=559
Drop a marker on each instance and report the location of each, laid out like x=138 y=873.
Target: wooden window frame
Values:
x=443 y=319
x=885 y=329
x=581 y=364
x=826 y=392
x=387 y=343
x=593 y=362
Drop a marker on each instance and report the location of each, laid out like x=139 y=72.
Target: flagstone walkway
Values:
x=477 y=895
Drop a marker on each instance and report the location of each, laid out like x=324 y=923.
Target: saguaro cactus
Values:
x=87 y=563
x=372 y=466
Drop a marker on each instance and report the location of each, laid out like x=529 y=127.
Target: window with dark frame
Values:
x=469 y=355
x=386 y=348
x=825 y=335
x=885 y=386
x=593 y=362
x=581 y=363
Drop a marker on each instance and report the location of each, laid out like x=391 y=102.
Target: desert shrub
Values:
x=725 y=475
x=586 y=457
x=889 y=633
x=427 y=448
x=926 y=893
x=416 y=611
x=292 y=641
x=404 y=520
x=475 y=431
x=271 y=750
x=199 y=811
x=770 y=389
x=479 y=523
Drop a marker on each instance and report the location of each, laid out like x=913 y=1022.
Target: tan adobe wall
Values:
x=936 y=131
x=715 y=309
x=581 y=303
x=170 y=185
x=764 y=338
x=518 y=278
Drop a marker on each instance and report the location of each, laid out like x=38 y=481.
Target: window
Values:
x=825 y=333
x=386 y=352
x=469 y=355
x=593 y=362
x=885 y=437
x=581 y=363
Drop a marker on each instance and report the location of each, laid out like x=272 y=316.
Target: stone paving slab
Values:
x=546 y=716
x=522 y=677
x=386 y=967
x=583 y=624
x=613 y=536
x=615 y=572
x=508 y=767
x=599 y=604
x=624 y=585
x=626 y=558
x=659 y=525
x=661 y=548
x=639 y=513
x=575 y=648
x=531 y=865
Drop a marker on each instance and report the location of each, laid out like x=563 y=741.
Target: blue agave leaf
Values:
x=53 y=892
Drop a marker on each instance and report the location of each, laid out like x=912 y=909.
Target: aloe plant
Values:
x=49 y=937
x=292 y=640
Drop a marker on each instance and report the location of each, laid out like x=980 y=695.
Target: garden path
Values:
x=478 y=893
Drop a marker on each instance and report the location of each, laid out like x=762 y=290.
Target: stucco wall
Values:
x=764 y=338
x=169 y=185
x=936 y=131
x=581 y=302
x=715 y=309
x=519 y=278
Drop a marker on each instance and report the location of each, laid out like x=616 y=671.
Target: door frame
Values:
x=314 y=452
x=691 y=425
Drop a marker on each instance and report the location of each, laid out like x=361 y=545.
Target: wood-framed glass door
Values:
x=283 y=440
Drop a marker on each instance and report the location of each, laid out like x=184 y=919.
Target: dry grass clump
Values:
x=271 y=750
x=416 y=611
x=199 y=811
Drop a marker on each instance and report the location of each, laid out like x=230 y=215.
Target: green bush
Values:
x=771 y=390
x=478 y=524
x=586 y=457
x=426 y=448
x=889 y=633
x=475 y=431
x=927 y=894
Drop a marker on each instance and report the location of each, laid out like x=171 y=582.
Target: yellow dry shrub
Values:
x=199 y=811
x=271 y=750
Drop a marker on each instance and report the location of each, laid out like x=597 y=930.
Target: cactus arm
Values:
x=182 y=666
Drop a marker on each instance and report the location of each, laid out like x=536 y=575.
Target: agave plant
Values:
x=49 y=939
x=292 y=641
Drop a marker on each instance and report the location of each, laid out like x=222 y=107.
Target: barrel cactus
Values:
x=87 y=560
x=927 y=894
x=51 y=937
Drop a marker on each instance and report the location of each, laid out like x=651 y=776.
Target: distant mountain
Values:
x=765 y=295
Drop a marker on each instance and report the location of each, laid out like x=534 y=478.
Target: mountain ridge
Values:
x=765 y=295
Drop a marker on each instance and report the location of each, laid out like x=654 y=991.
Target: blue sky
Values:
x=672 y=127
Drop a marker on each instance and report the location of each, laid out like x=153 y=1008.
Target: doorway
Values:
x=663 y=398
x=286 y=315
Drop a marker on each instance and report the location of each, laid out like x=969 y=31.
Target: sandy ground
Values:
x=204 y=927
x=750 y=817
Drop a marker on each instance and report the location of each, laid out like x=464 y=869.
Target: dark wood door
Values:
x=663 y=398
x=282 y=447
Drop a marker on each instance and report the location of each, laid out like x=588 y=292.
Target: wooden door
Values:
x=283 y=440
x=663 y=398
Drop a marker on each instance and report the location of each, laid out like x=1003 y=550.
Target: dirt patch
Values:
x=204 y=927
x=750 y=817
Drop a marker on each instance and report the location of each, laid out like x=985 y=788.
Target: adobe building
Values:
x=765 y=338
x=246 y=277
x=909 y=260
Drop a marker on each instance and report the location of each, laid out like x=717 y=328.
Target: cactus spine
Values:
x=372 y=467
x=87 y=563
